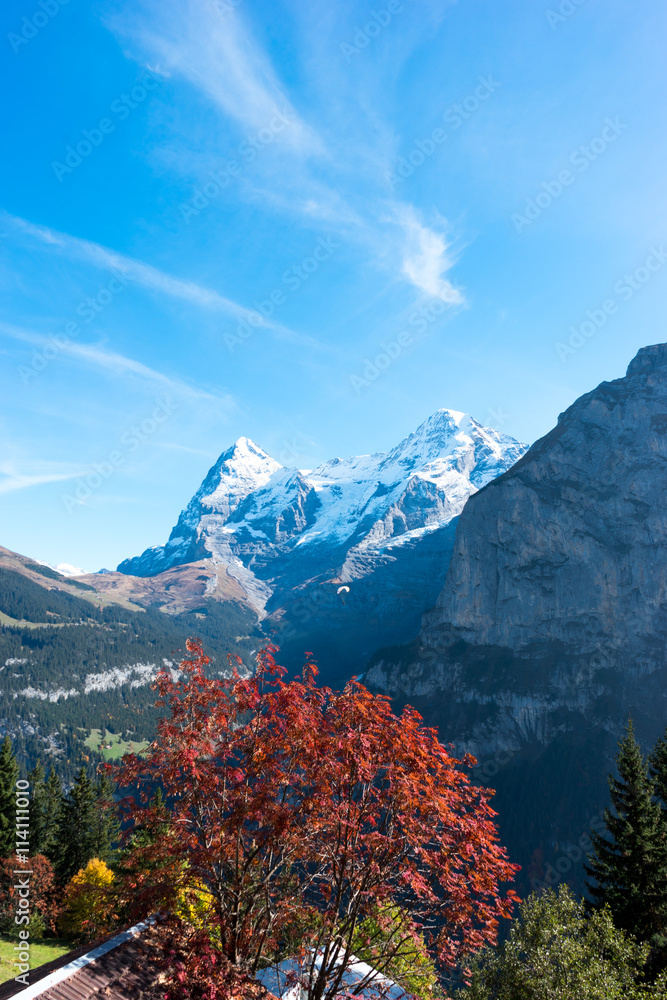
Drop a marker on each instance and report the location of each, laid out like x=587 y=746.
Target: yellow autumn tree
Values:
x=194 y=905
x=88 y=902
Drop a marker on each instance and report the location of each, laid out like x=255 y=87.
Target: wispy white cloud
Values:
x=425 y=257
x=96 y=356
x=118 y=364
x=11 y=479
x=214 y=50
x=150 y=277
x=146 y=275
x=219 y=56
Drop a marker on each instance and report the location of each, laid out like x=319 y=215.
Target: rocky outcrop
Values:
x=571 y=543
x=552 y=625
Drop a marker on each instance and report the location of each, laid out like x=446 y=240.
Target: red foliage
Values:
x=296 y=805
x=199 y=971
x=37 y=879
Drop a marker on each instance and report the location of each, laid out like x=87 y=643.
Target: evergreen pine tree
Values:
x=77 y=828
x=629 y=865
x=52 y=805
x=46 y=797
x=9 y=772
x=143 y=836
x=106 y=829
x=87 y=825
x=37 y=793
x=158 y=800
x=658 y=771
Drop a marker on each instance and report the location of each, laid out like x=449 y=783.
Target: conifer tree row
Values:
x=9 y=772
x=46 y=796
x=87 y=826
x=628 y=864
x=658 y=771
x=68 y=829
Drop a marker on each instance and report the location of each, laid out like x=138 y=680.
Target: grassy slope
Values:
x=40 y=953
x=118 y=746
x=8 y=620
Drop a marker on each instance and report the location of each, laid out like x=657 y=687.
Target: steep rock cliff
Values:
x=552 y=625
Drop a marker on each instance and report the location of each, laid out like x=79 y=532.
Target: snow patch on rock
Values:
x=134 y=674
x=53 y=696
x=250 y=512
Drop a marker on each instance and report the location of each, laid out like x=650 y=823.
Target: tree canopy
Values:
x=628 y=864
x=293 y=804
x=555 y=951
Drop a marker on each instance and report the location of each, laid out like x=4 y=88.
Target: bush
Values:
x=43 y=908
x=88 y=902
x=390 y=930
x=194 y=907
x=196 y=969
x=556 y=952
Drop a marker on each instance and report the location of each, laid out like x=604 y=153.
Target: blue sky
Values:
x=216 y=216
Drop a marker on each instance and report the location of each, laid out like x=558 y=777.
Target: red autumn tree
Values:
x=297 y=813
x=36 y=882
x=398 y=822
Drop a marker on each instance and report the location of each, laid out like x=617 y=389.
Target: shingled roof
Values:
x=125 y=967
x=128 y=966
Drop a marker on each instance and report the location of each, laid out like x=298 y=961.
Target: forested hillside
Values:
x=68 y=666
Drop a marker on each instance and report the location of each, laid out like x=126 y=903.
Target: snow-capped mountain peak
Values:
x=244 y=451
x=242 y=469
x=446 y=433
x=267 y=522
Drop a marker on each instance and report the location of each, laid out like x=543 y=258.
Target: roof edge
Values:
x=65 y=971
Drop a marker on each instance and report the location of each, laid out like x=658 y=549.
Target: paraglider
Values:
x=342 y=590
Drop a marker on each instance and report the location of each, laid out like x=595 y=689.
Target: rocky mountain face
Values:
x=551 y=628
x=381 y=526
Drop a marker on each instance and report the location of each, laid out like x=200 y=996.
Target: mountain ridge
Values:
x=342 y=500
x=380 y=523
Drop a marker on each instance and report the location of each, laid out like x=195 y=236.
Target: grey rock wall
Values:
x=552 y=625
